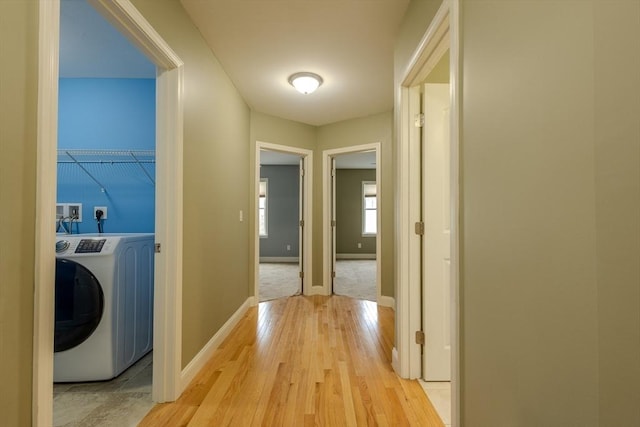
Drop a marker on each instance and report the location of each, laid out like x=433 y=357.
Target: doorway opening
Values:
x=427 y=258
x=280 y=200
x=436 y=239
x=354 y=199
x=352 y=233
x=283 y=191
x=168 y=202
x=106 y=195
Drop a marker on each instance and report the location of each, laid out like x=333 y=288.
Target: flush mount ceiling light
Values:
x=305 y=83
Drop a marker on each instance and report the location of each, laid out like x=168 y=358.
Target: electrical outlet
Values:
x=100 y=208
x=75 y=211
x=359 y=245
x=288 y=247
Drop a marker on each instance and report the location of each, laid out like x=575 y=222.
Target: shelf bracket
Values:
x=86 y=171
x=142 y=167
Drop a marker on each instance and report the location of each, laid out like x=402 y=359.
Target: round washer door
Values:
x=79 y=304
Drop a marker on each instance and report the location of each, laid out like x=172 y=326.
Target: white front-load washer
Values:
x=103 y=304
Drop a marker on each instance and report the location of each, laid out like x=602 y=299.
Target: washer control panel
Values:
x=90 y=246
x=86 y=246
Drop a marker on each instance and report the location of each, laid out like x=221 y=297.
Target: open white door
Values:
x=333 y=222
x=301 y=224
x=436 y=242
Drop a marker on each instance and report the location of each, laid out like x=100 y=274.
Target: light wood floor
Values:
x=303 y=361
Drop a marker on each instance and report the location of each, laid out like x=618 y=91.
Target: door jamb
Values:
x=442 y=33
x=307 y=213
x=169 y=143
x=326 y=217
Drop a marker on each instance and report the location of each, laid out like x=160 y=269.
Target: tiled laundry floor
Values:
x=439 y=393
x=121 y=402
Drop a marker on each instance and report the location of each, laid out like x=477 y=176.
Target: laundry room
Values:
x=105 y=222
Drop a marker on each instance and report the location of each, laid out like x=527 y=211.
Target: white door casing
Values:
x=301 y=224
x=328 y=214
x=436 y=243
x=306 y=192
x=334 y=223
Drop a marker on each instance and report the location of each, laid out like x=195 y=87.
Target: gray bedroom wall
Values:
x=282 y=211
x=349 y=212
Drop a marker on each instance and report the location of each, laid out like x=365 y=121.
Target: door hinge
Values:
x=333 y=274
x=419 y=120
x=301 y=171
x=420 y=228
x=333 y=172
x=301 y=274
x=302 y=223
x=420 y=337
x=333 y=222
x=157 y=247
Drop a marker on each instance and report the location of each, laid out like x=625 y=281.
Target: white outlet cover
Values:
x=103 y=209
x=71 y=207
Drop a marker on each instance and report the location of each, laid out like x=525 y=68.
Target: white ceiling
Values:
x=91 y=47
x=260 y=43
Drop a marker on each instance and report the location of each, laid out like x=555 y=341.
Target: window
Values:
x=369 y=208
x=262 y=208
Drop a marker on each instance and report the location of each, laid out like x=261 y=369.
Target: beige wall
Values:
x=18 y=119
x=365 y=130
x=550 y=210
x=616 y=133
x=216 y=181
x=529 y=290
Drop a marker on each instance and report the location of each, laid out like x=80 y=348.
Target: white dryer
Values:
x=103 y=304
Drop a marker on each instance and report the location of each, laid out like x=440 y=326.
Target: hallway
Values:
x=302 y=361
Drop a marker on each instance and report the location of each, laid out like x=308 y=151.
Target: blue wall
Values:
x=108 y=114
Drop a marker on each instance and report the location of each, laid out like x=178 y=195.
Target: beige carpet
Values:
x=356 y=279
x=278 y=280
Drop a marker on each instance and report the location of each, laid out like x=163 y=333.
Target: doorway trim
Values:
x=307 y=214
x=327 y=252
x=442 y=34
x=168 y=231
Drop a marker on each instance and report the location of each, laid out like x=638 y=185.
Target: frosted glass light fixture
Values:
x=305 y=83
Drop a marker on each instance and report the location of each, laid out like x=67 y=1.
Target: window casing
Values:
x=262 y=208
x=369 y=208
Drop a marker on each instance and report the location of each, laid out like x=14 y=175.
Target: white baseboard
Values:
x=197 y=363
x=356 y=256
x=395 y=363
x=279 y=259
x=387 y=302
x=316 y=290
